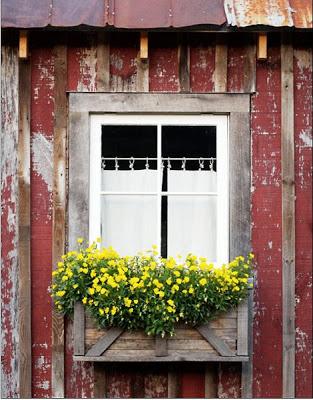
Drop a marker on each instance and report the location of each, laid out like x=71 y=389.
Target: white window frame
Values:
x=222 y=156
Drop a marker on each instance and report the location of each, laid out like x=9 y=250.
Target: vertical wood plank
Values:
x=247 y=367
x=249 y=68
x=24 y=230
x=173 y=383
x=220 y=73
x=142 y=74
x=59 y=207
x=184 y=62
x=242 y=328
x=79 y=329
x=103 y=62
x=99 y=391
x=239 y=141
x=288 y=216
x=210 y=384
x=9 y=224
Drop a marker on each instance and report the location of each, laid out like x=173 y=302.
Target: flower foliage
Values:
x=146 y=291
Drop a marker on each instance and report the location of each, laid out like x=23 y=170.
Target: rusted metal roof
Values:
x=148 y=14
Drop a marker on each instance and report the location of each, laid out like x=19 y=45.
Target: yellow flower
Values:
x=191 y=290
x=60 y=264
x=80 y=240
x=64 y=278
x=130 y=310
x=106 y=310
x=101 y=311
x=75 y=286
x=113 y=310
x=136 y=301
x=156 y=290
x=170 y=309
x=60 y=293
x=60 y=307
x=170 y=302
x=186 y=279
x=84 y=301
x=169 y=281
x=91 y=291
x=93 y=273
x=179 y=281
x=203 y=281
x=127 y=302
x=176 y=273
x=54 y=273
x=161 y=294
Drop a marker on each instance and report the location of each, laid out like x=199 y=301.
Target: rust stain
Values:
x=278 y=13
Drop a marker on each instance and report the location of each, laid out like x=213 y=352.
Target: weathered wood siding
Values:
x=214 y=63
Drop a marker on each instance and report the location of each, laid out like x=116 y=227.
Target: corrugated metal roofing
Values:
x=145 y=14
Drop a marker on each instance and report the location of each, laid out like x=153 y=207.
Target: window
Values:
x=167 y=116
x=160 y=179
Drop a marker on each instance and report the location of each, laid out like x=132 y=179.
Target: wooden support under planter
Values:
x=223 y=339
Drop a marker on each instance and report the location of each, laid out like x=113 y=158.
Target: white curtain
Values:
x=128 y=223
x=192 y=219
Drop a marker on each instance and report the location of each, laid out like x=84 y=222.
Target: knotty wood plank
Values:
x=161 y=346
x=184 y=62
x=103 y=62
x=25 y=358
x=79 y=329
x=288 y=216
x=219 y=345
x=59 y=208
x=220 y=72
x=104 y=342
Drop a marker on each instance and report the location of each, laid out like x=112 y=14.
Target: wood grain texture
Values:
x=104 y=342
x=173 y=383
x=59 y=208
x=159 y=103
x=247 y=367
x=239 y=182
x=242 y=328
x=25 y=350
x=210 y=381
x=79 y=329
x=216 y=342
x=161 y=346
x=220 y=71
x=99 y=381
x=103 y=62
x=288 y=216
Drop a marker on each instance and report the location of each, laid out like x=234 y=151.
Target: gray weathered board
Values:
x=221 y=340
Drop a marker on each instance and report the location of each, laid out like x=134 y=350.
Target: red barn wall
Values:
x=164 y=75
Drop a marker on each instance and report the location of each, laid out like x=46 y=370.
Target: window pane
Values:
x=192 y=217
x=130 y=143
x=128 y=223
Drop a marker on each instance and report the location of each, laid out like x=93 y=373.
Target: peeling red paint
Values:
x=303 y=173
x=42 y=110
x=123 y=62
x=266 y=228
x=229 y=381
x=202 y=63
x=163 y=63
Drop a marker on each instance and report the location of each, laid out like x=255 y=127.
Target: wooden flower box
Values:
x=222 y=339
